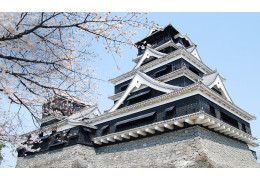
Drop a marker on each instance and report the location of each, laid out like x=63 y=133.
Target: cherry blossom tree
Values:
x=45 y=54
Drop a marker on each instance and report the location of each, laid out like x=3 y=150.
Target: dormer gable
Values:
x=193 y=50
x=139 y=79
x=155 y=28
x=147 y=54
x=215 y=82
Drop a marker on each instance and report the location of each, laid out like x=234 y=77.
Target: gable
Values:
x=140 y=79
x=218 y=85
x=148 y=53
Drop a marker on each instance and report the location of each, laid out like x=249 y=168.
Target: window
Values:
x=243 y=127
x=160 y=40
x=170 y=111
x=212 y=111
x=134 y=122
x=102 y=131
x=194 y=70
x=166 y=37
x=139 y=97
x=229 y=120
x=164 y=70
x=216 y=90
x=124 y=87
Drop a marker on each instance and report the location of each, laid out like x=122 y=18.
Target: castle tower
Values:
x=170 y=110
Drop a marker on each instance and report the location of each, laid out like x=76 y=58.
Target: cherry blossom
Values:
x=47 y=54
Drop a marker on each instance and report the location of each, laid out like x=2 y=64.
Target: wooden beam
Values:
x=143 y=133
x=149 y=130
x=235 y=134
x=205 y=121
x=199 y=119
x=157 y=128
x=230 y=132
x=118 y=138
x=241 y=137
x=133 y=134
x=126 y=136
x=181 y=120
x=214 y=125
x=225 y=130
x=248 y=136
x=168 y=126
x=209 y=123
x=247 y=141
x=220 y=128
x=103 y=140
x=97 y=142
x=189 y=121
x=111 y=139
x=177 y=123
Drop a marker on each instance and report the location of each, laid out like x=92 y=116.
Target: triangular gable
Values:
x=214 y=80
x=137 y=81
x=155 y=27
x=193 y=50
x=196 y=54
x=148 y=53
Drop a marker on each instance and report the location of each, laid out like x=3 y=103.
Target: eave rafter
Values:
x=199 y=118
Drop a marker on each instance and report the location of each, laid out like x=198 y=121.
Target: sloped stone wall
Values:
x=190 y=147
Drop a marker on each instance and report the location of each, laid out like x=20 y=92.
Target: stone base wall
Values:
x=190 y=147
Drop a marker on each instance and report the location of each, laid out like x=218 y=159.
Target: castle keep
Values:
x=170 y=110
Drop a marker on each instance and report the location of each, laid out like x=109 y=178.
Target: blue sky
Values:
x=227 y=42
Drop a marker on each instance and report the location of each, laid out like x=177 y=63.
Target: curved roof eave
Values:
x=147 y=53
x=211 y=80
x=139 y=79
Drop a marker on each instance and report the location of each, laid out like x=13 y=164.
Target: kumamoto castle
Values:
x=170 y=110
